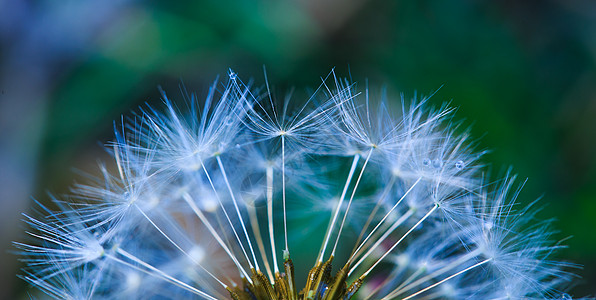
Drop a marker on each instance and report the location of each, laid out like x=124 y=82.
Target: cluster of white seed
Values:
x=214 y=199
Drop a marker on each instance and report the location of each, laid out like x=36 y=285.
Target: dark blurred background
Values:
x=523 y=74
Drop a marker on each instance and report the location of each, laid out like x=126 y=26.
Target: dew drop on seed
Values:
x=459 y=165
x=437 y=163
x=232 y=75
x=426 y=162
x=565 y=296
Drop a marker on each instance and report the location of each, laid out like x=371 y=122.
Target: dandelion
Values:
x=239 y=197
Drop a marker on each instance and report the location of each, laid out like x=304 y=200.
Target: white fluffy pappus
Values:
x=338 y=197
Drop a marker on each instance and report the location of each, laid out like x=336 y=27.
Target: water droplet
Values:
x=426 y=162
x=232 y=75
x=460 y=165
x=437 y=163
x=565 y=296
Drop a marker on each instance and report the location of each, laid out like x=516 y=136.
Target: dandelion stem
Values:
x=254 y=223
x=118 y=161
x=283 y=189
x=338 y=208
x=270 y=216
x=225 y=176
x=343 y=221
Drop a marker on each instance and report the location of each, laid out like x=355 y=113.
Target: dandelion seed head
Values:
x=247 y=196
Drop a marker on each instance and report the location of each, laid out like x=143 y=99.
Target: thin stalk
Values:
x=254 y=224
x=214 y=233
x=178 y=247
x=444 y=280
x=343 y=221
x=161 y=273
x=270 y=216
x=384 y=218
x=226 y=215
x=404 y=288
x=373 y=213
x=341 y=200
x=283 y=189
x=378 y=242
x=400 y=240
x=225 y=176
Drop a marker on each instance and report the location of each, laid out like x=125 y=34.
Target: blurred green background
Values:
x=522 y=73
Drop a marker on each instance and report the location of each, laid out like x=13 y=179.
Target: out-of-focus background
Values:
x=523 y=74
